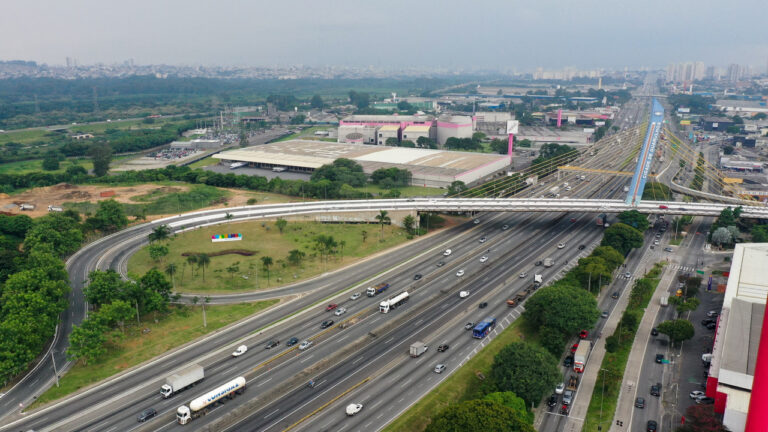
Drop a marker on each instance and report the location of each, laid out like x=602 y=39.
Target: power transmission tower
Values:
x=95 y=101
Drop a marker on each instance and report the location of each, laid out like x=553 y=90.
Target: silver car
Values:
x=304 y=345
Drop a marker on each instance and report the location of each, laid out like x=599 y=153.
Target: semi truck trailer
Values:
x=378 y=289
x=181 y=380
x=394 y=302
x=199 y=406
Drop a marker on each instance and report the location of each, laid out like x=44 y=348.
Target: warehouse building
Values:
x=375 y=129
x=432 y=168
x=196 y=144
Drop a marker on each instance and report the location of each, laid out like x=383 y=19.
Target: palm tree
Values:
x=295 y=256
x=409 y=222
x=342 y=243
x=159 y=233
x=266 y=261
x=192 y=261
x=170 y=270
x=183 y=268
x=364 y=233
x=383 y=219
x=228 y=216
x=202 y=261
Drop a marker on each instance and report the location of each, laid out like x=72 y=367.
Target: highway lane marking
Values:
x=272 y=413
x=357 y=360
x=379 y=416
x=389 y=340
x=418 y=322
x=264 y=382
x=230 y=369
x=307 y=358
x=365 y=426
x=406 y=383
x=343 y=338
x=444 y=306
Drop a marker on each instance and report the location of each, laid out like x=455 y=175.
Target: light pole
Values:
x=54 y=368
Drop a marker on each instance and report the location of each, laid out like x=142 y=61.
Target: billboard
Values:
x=589 y=130
x=226 y=237
x=683 y=110
x=512 y=126
x=685 y=122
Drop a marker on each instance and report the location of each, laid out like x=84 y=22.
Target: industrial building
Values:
x=491 y=122
x=196 y=144
x=738 y=373
x=731 y=163
x=543 y=135
x=715 y=123
x=579 y=118
x=375 y=129
x=746 y=108
x=432 y=168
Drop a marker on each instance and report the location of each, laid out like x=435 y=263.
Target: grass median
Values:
x=183 y=324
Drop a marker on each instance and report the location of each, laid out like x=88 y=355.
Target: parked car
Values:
x=443 y=348
x=667 y=249
x=707 y=321
x=469 y=326
x=417 y=276
x=696 y=393
x=654 y=331
x=460 y=273
x=292 y=341
x=439 y=368
x=271 y=344
x=240 y=351
x=659 y=358
x=146 y=415
x=331 y=307
x=340 y=311
x=326 y=324
x=304 y=345
x=705 y=401
x=656 y=389
x=639 y=403
x=711 y=326
x=355 y=296
x=713 y=313
x=583 y=334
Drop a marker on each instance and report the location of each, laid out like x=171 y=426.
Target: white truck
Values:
x=580 y=356
x=394 y=302
x=537 y=280
x=549 y=262
x=555 y=191
x=199 y=406
x=235 y=165
x=53 y=208
x=664 y=300
x=181 y=380
x=418 y=348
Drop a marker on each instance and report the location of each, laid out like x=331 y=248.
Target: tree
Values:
x=622 y=237
x=360 y=100
x=678 y=330
x=156 y=291
x=364 y=233
x=192 y=261
x=732 y=129
x=232 y=269
x=722 y=236
x=316 y=102
x=171 y=270
x=500 y=146
x=342 y=243
x=341 y=171
x=51 y=162
x=295 y=257
x=511 y=400
x=562 y=308
x=117 y=312
x=592 y=271
x=408 y=144
x=759 y=233
x=102 y=156
x=281 y=223
x=266 y=261
x=325 y=244
x=383 y=218
x=701 y=418
x=157 y=252
x=635 y=219
x=109 y=216
x=105 y=286
x=159 y=233
x=525 y=369
x=456 y=188
x=611 y=256
x=86 y=342
x=408 y=223
x=478 y=416
x=424 y=142
x=62 y=233
x=392 y=142
x=203 y=260
x=683 y=304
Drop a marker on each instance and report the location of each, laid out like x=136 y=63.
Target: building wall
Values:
x=383 y=135
x=414 y=136
x=454 y=127
x=368 y=132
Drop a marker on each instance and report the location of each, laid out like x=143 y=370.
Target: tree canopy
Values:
x=635 y=219
x=341 y=171
x=678 y=330
x=564 y=309
x=478 y=416
x=527 y=370
x=622 y=237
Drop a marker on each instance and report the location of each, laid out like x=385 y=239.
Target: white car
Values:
x=696 y=394
x=463 y=294
x=505 y=227
x=523 y=275
x=240 y=351
x=477 y=221
x=559 y=389
x=460 y=273
x=340 y=311
x=353 y=409
x=447 y=252
x=304 y=345
x=355 y=296
x=484 y=258
x=560 y=245
x=439 y=368
x=567 y=188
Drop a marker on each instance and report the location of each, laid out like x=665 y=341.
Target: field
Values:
x=408 y=191
x=204 y=163
x=25 y=136
x=26 y=166
x=244 y=271
x=183 y=324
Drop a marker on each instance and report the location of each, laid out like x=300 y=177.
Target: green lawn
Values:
x=204 y=162
x=183 y=324
x=408 y=191
x=263 y=238
x=460 y=386
x=23 y=136
x=22 y=167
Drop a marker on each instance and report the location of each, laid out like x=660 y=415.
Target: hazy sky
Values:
x=496 y=34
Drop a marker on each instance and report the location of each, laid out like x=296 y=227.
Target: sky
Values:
x=480 y=34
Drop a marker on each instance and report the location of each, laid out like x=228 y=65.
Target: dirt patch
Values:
x=243 y=252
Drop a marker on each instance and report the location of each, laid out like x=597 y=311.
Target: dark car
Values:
x=659 y=358
x=651 y=426
x=469 y=326
x=667 y=249
x=483 y=305
x=705 y=401
x=417 y=276
x=656 y=389
x=568 y=362
x=443 y=348
x=711 y=326
x=707 y=321
x=615 y=295
x=146 y=415
x=537 y=263
x=271 y=344
x=552 y=400
x=441 y=263
x=639 y=403
x=581 y=247
x=654 y=331
x=292 y=341
x=326 y=324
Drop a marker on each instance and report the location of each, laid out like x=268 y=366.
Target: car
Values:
x=567 y=188
x=683 y=209
x=483 y=258
x=560 y=245
x=443 y=348
x=331 y=307
x=440 y=263
x=654 y=331
x=652 y=247
x=463 y=294
x=523 y=275
x=447 y=252
x=326 y=324
x=559 y=389
x=240 y=351
x=663 y=207
x=483 y=305
x=659 y=358
x=417 y=276
x=574 y=347
x=292 y=341
x=573 y=220
x=713 y=313
x=505 y=227
x=552 y=400
x=355 y=296
x=568 y=362
x=639 y=402
x=583 y=334
x=711 y=326
x=460 y=273
x=655 y=242
x=651 y=426
x=627 y=275
x=658 y=235
x=304 y=345
x=271 y=344
x=667 y=249
x=615 y=295
x=477 y=221
x=656 y=389
x=537 y=263
x=353 y=409
x=469 y=326
x=604 y=314
x=581 y=247
x=707 y=321
x=340 y=311
x=439 y=368
x=567 y=397
x=146 y=415
x=696 y=393
x=482 y=239
x=705 y=401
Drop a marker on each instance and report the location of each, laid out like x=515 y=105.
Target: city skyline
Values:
x=503 y=36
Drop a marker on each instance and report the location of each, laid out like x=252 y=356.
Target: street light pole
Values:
x=54 y=368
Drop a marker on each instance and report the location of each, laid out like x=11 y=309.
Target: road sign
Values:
x=700 y=271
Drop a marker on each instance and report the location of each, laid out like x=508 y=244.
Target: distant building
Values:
x=196 y=144
x=82 y=136
x=715 y=123
x=491 y=122
x=730 y=163
x=375 y=129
